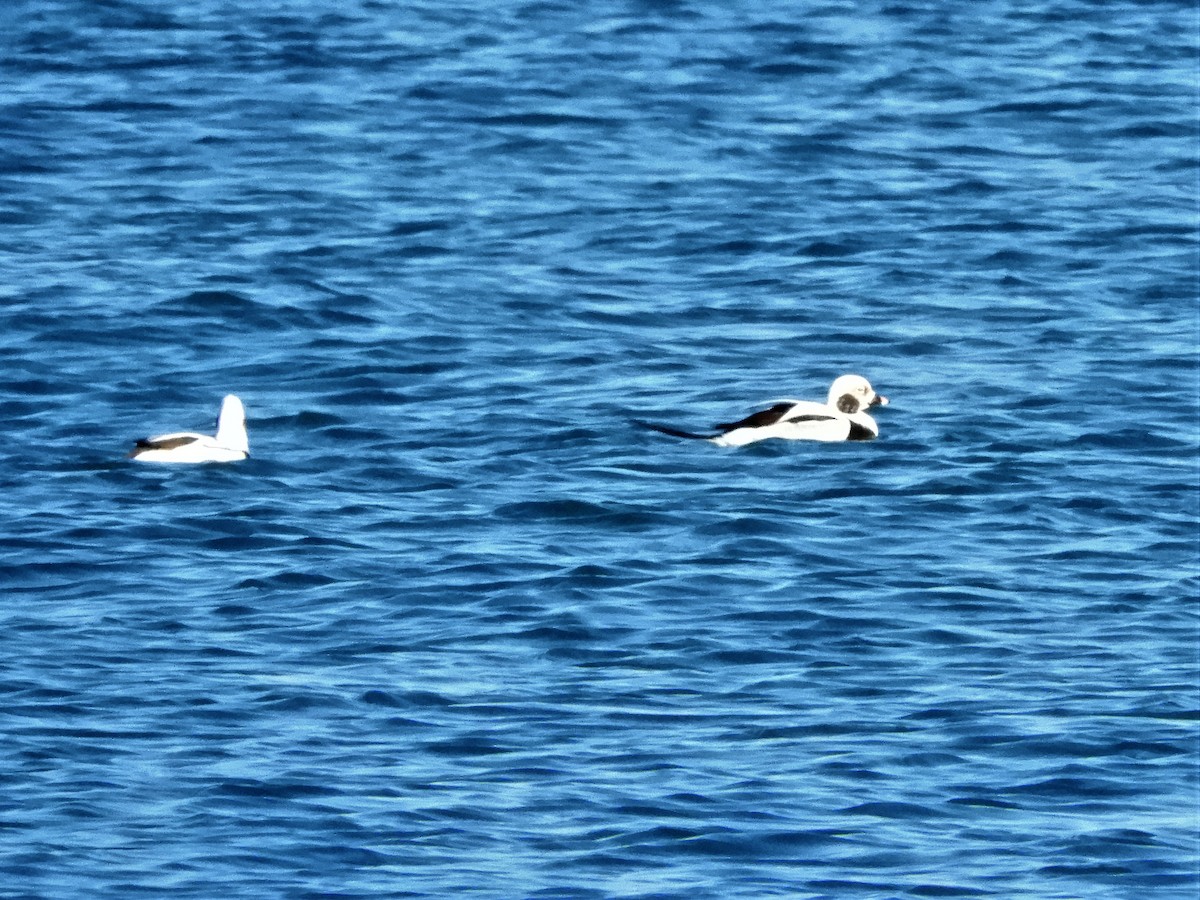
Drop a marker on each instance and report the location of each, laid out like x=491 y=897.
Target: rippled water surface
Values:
x=457 y=627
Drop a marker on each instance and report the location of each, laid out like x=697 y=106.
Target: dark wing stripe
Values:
x=812 y=418
x=168 y=444
x=760 y=419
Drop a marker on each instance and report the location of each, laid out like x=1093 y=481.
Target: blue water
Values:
x=457 y=628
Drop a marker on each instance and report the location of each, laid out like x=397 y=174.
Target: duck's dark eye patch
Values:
x=848 y=403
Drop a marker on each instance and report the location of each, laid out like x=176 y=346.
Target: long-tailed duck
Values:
x=229 y=445
x=842 y=417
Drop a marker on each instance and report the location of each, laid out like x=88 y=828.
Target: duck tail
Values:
x=675 y=432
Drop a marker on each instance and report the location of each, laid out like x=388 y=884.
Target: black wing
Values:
x=170 y=442
x=760 y=419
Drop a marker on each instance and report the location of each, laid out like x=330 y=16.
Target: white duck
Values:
x=228 y=445
x=842 y=417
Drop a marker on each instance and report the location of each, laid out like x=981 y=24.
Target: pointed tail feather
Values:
x=675 y=432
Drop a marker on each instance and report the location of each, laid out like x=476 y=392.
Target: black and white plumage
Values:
x=228 y=445
x=842 y=417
